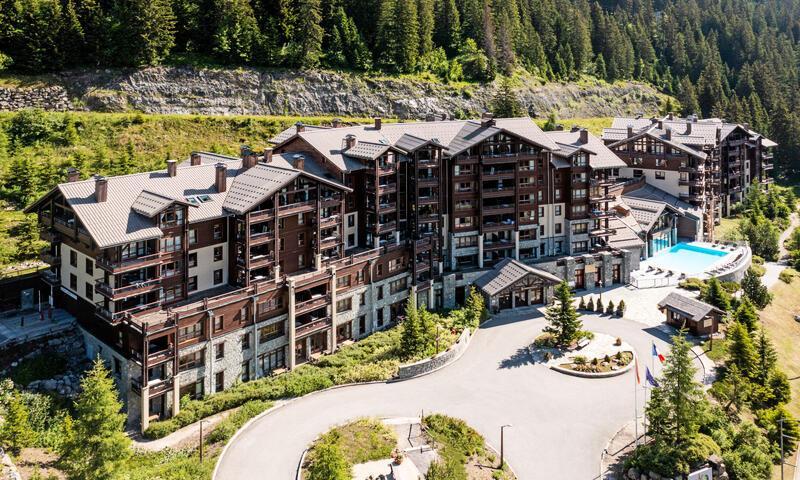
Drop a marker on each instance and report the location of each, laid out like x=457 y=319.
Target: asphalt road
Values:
x=561 y=424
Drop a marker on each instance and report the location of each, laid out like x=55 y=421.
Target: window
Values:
x=660 y=162
x=193 y=390
x=270 y=361
x=217 y=254
x=351 y=239
x=579 y=160
x=219 y=351
x=246 y=341
x=219 y=323
x=282 y=244
x=171 y=269
x=117 y=367
x=344 y=305
x=192 y=360
x=217 y=231
x=578 y=210
x=343 y=281
x=379 y=314
x=217 y=277
x=73 y=282
x=638 y=160
x=398 y=285
x=557 y=194
x=579 y=193
x=578 y=247
x=464 y=222
x=191 y=286
x=89 y=291
x=380 y=292
x=541 y=211
x=558 y=229
x=192 y=331
x=301 y=239
x=557 y=210
x=171 y=244
x=219 y=381
x=173 y=293
x=351 y=221
x=192 y=236
x=270 y=332
x=362 y=299
x=637 y=173
x=73 y=258
x=171 y=218
x=192 y=260
x=301 y=261
x=89 y=267
x=464 y=242
x=270 y=305
x=660 y=175
x=580 y=228
x=245 y=376
x=243 y=314
x=395 y=264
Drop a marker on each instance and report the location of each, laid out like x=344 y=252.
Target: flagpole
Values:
x=636 y=404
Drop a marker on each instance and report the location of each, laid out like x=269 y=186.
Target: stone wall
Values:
x=272 y=92
x=428 y=365
x=53 y=97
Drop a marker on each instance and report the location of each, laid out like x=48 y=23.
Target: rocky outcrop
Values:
x=269 y=92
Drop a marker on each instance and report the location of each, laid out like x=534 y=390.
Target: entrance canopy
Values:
x=508 y=273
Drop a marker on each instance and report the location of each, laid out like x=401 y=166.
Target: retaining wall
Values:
x=430 y=364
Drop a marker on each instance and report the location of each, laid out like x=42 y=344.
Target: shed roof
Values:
x=691 y=307
x=600 y=156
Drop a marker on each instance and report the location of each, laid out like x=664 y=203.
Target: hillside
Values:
x=194 y=90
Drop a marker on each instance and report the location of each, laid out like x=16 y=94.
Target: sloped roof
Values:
x=291 y=131
x=255 y=185
x=626 y=232
x=651 y=193
x=367 y=150
x=701 y=132
x=600 y=156
x=506 y=273
x=150 y=203
x=454 y=135
x=690 y=307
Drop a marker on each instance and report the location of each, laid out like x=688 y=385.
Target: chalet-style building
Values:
x=226 y=269
x=708 y=163
x=690 y=313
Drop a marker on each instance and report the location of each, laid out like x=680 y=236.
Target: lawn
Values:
x=594 y=125
x=361 y=441
x=728 y=229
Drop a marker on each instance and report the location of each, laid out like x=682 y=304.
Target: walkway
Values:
x=31 y=325
x=561 y=424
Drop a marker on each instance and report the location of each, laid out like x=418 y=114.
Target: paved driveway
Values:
x=560 y=423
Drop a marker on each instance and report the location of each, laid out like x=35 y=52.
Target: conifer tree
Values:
x=716 y=295
x=329 y=463
x=143 y=31
x=426 y=26
x=307 y=35
x=505 y=102
x=15 y=431
x=411 y=339
x=767 y=359
x=236 y=37
x=447 y=30
x=746 y=314
x=563 y=321
x=475 y=307
x=754 y=290
x=97 y=446
x=741 y=351
x=398 y=35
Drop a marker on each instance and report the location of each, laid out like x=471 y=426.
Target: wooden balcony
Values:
x=384 y=189
x=498 y=158
x=119 y=293
x=498 y=175
x=495 y=192
x=600 y=214
x=498 y=209
x=261 y=261
x=50 y=235
x=312 y=304
x=312 y=327
x=119 y=266
x=385 y=208
x=429 y=218
x=498 y=245
x=298 y=207
x=603 y=197
x=422 y=266
x=261 y=238
x=498 y=227
x=427 y=182
x=432 y=200
x=386 y=227
x=602 y=232
x=331 y=221
x=262 y=215
x=331 y=202
x=330 y=242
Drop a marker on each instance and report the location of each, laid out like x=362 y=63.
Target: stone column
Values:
x=176 y=394
x=333 y=310
x=516 y=244
x=430 y=298
x=480 y=251
x=145 y=409
x=292 y=321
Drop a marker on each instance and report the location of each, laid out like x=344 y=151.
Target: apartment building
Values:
x=226 y=269
x=708 y=163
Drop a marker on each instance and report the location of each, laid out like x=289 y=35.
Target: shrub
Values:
x=227 y=427
x=590 y=305
x=582 y=304
x=610 y=308
x=787 y=275
x=328 y=463
x=758 y=269
x=40 y=367
x=694 y=284
x=621 y=308
x=599 y=307
x=579 y=360
x=758 y=260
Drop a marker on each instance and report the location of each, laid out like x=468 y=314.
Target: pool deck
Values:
x=656 y=271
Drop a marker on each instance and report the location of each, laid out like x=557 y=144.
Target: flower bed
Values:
x=608 y=363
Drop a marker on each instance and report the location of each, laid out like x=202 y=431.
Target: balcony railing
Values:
x=115 y=317
x=427 y=182
x=314 y=326
x=117 y=293
x=259 y=215
x=312 y=304
x=386 y=227
x=118 y=266
x=297 y=207
x=51 y=278
x=261 y=238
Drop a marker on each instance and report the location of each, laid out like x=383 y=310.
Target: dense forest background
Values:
x=737 y=59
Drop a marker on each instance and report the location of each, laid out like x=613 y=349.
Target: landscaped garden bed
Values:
x=332 y=456
x=599 y=365
x=593 y=354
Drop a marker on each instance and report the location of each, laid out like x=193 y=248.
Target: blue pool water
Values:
x=688 y=258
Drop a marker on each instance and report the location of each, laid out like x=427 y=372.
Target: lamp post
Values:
x=201 y=439
x=502 y=459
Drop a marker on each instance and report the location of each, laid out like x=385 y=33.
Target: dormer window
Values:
x=171 y=218
x=580 y=159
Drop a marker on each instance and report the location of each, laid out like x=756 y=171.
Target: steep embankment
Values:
x=248 y=91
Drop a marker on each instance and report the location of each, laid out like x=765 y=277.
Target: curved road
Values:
x=561 y=424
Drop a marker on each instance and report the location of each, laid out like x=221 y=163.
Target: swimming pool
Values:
x=688 y=258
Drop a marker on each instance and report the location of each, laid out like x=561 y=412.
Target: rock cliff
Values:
x=258 y=92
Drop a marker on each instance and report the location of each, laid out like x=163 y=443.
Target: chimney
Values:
x=719 y=133
x=100 y=188
x=630 y=131
x=220 y=177
x=584 y=136
x=73 y=175
x=299 y=162
x=377 y=123
x=172 y=168
x=349 y=141
x=669 y=133
x=194 y=160
x=267 y=155
x=660 y=125
x=653 y=120
x=575 y=128
x=671 y=116
x=688 y=128
x=487 y=119
x=337 y=122
x=299 y=127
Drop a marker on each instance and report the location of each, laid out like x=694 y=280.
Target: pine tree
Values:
x=306 y=43
x=687 y=96
x=426 y=26
x=733 y=389
x=600 y=67
x=329 y=463
x=741 y=351
x=505 y=103
x=746 y=314
x=447 y=29
x=610 y=308
x=143 y=31
x=411 y=339
x=475 y=308
x=398 y=35
x=767 y=359
x=754 y=290
x=621 y=308
x=676 y=409
x=29 y=244
x=97 y=447
x=716 y=295
x=563 y=321
x=236 y=37
x=15 y=431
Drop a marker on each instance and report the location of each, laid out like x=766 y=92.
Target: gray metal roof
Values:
x=255 y=185
x=367 y=150
x=691 y=307
x=650 y=193
x=626 y=232
x=506 y=273
x=600 y=156
x=150 y=203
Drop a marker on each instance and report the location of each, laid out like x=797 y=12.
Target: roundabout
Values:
x=560 y=423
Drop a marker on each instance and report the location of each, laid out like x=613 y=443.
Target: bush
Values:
x=328 y=463
x=599 y=307
x=787 y=275
x=456 y=442
x=582 y=304
x=757 y=260
x=621 y=309
x=227 y=427
x=693 y=284
x=590 y=305
x=759 y=270
x=40 y=367
x=610 y=308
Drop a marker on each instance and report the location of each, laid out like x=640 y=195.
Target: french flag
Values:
x=657 y=354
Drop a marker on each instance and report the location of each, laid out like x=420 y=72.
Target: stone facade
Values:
x=430 y=364
x=53 y=97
